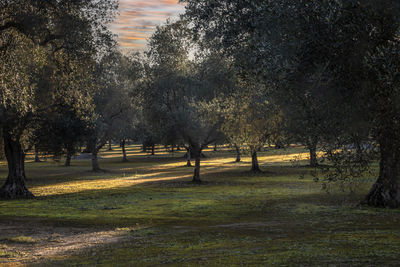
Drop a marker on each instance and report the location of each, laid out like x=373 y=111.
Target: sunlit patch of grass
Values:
x=20 y=239
x=98 y=184
x=8 y=254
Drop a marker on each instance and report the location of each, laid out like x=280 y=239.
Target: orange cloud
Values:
x=138 y=19
x=133 y=38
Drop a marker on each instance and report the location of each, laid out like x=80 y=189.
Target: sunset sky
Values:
x=138 y=19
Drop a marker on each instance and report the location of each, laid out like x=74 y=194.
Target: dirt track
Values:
x=50 y=241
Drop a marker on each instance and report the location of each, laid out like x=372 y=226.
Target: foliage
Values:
x=47 y=54
x=182 y=100
x=320 y=53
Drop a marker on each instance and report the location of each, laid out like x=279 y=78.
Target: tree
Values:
x=305 y=116
x=34 y=36
x=251 y=120
x=63 y=131
x=177 y=96
x=131 y=71
x=351 y=41
x=111 y=100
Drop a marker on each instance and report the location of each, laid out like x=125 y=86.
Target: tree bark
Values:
x=14 y=186
x=95 y=162
x=109 y=145
x=238 y=159
x=279 y=144
x=188 y=158
x=215 y=147
x=2 y=153
x=37 y=159
x=254 y=162
x=196 y=175
x=386 y=190
x=313 y=155
x=68 y=158
x=124 y=157
x=152 y=149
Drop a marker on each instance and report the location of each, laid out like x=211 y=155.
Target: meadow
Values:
x=146 y=212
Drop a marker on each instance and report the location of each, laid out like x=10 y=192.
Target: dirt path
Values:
x=26 y=242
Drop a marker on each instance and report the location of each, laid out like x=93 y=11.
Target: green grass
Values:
x=20 y=239
x=232 y=219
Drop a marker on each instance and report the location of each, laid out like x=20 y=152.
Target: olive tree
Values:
x=250 y=119
x=179 y=95
x=37 y=39
x=112 y=101
x=343 y=48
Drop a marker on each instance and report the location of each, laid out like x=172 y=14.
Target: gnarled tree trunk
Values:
x=70 y=152
x=313 y=155
x=386 y=190
x=237 y=153
x=254 y=162
x=144 y=147
x=124 y=157
x=68 y=158
x=279 y=145
x=188 y=158
x=95 y=162
x=2 y=154
x=37 y=159
x=196 y=175
x=14 y=186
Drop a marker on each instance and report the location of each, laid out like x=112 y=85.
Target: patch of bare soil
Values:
x=26 y=242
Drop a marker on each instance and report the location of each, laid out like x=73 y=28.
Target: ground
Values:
x=147 y=213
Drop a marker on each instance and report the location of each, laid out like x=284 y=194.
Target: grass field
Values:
x=147 y=213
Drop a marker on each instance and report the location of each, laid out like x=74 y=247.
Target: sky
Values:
x=137 y=20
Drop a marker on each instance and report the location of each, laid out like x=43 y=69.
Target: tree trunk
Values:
x=95 y=162
x=254 y=162
x=37 y=159
x=386 y=190
x=172 y=148
x=215 y=147
x=144 y=147
x=124 y=157
x=2 y=155
x=109 y=145
x=14 y=186
x=188 y=157
x=68 y=158
x=196 y=175
x=313 y=155
x=279 y=144
x=237 y=153
x=152 y=149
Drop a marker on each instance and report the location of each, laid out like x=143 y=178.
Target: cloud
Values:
x=138 y=19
